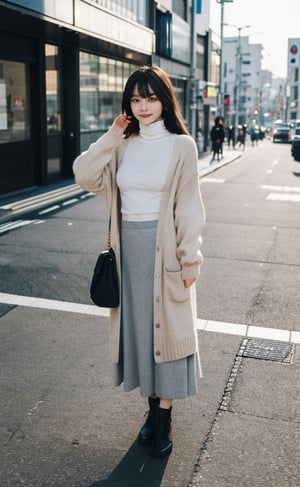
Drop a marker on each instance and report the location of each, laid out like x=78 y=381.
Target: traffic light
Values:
x=227 y=100
x=294 y=53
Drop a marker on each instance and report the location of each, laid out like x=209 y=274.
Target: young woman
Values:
x=145 y=167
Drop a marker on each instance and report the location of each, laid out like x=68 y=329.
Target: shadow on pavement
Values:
x=135 y=469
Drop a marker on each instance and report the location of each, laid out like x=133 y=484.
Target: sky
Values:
x=272 y=23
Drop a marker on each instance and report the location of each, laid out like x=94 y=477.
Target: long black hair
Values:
x=149 y=80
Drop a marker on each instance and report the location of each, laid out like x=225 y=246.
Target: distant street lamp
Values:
x=221 y=77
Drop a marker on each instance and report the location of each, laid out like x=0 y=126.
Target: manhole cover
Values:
x=268 y=350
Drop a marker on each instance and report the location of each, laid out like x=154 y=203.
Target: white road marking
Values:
x=281 y=189
x=282 y=193
x=86 y=195
x=38 y=222
x=8 y=226
x=52 y=304
x=48 y=210
x=295 y=198
x=204 y=325
x=213 y=180
x=70 y=202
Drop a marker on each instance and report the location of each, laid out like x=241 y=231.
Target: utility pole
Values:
x=237 y=80
x=221 y=70
x=193 y=91
x=221 y=77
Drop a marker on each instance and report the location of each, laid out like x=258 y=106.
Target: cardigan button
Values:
x=157 y=353
x=157 y=248
x=157 y=274
x=157 y=325
x=157 y=299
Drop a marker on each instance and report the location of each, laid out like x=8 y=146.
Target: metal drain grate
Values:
x=268 y=350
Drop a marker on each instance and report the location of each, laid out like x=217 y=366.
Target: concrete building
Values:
x=242 y=79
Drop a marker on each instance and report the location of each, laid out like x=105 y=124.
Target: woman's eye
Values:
x=153 y=98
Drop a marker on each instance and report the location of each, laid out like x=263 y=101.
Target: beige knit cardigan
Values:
x=178 y=239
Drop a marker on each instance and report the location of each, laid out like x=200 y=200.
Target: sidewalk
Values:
x=207 y=166
x=63 y=424
x=255 y=437
x=18 y=203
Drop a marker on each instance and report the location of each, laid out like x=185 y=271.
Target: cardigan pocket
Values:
x=175 y=286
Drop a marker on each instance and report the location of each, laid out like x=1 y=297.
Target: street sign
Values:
x=294 y=53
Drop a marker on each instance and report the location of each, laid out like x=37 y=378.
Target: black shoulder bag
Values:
x=104 y=289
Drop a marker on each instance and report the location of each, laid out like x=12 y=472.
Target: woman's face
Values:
x=146 y=110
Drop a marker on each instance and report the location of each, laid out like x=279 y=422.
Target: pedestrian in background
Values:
x=217 y=136
x=254 y=135
x=148 y=162
x=231 y=136
x=241 y=138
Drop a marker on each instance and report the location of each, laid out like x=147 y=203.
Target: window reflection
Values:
x=101 y=86
x=52 y=89
x=14 y=116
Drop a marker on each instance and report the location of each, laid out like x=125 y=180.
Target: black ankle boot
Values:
x=146 y=433
x=162 y=443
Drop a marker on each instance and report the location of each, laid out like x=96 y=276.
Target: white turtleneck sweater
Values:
x=143 y=172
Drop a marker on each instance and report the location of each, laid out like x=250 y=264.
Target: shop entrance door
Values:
x=16 y=161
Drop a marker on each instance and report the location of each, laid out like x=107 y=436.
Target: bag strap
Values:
x=109 y=233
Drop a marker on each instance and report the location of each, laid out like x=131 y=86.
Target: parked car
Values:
x=295 y=147
x=282 y=132
x=295 y=124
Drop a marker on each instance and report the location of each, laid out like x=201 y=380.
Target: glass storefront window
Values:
x=52 y=89
x=101 y=87
x=14 y=102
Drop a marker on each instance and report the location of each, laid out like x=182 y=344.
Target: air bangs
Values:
x=147 y=85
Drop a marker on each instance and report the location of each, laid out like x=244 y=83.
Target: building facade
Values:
x=63 y=66
x=242 y=79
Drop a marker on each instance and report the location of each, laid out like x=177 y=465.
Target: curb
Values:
x=212 y=168
x=18 y=207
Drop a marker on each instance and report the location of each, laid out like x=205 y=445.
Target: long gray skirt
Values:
x=137 y=368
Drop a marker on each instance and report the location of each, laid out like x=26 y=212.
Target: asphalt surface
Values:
x=63 y=424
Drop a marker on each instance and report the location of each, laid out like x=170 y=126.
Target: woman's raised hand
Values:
x=122 y=121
